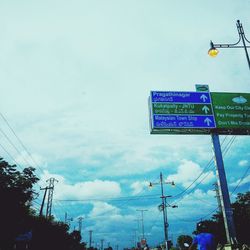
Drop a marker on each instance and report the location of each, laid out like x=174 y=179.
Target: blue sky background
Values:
x=75 y=79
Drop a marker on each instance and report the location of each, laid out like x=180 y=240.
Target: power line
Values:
x=20 y=141
x=208 y=166
x=17 y=164
x=242 y=178
x=204 y=201
x=13 y=145
x=126 y=198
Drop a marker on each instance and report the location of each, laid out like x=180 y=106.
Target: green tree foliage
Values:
x=241 y=211
x=241 y=215
x=184 y=239
x=16 y=195
x=17 y=216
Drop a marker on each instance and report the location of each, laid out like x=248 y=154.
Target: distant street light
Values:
x=213 y=52
x=164 y=205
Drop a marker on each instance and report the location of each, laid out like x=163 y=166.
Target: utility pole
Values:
x=216 y=189
x=142 y=221
x=102 y=240
x=164 y=212
x=80 y=219
x=90 y=238
x=44 y=197
x=138 y=228
x=135 y=237
x=67 y=220
x=117 y=247
x=50 y=196
x=163 y=206
x=223 y=189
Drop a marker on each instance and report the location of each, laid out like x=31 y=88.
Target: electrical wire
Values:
x=204 y=201
x=128 y=198
x=13 y=159
x=20 y=141
x=241 y=179
x=202 y=172
x=13 y=145
x=224 y=151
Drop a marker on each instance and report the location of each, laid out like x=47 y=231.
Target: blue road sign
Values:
x=180 y=97
x=183 y=121
x=170 y=118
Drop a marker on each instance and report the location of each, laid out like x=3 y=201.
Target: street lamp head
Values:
x=213 y=52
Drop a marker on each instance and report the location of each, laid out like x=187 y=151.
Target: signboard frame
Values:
x=198 y=130
x=184 y=98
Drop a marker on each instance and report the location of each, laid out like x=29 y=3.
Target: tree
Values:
x=16 y=195
x=17 y=217
x=241 y=215
x=241 y=212
x=184 y=239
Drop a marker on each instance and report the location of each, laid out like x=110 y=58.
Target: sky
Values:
x=75 y=80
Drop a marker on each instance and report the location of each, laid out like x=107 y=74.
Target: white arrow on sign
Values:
x=205 y=109
x=207 y=121
x=203 y=97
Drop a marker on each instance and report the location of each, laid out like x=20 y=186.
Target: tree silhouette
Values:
x=17 y=217
x=16 y=194
x=184 y=239
x=241 y=215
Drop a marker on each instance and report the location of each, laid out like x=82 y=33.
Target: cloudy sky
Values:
x=75 y=79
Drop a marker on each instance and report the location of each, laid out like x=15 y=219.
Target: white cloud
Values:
x=243 y=163
x=198 y=204
x=138 y=186
x=82 y=190
x=188 y=171
x=241 y=182
x=101 y=208
x=79 y=100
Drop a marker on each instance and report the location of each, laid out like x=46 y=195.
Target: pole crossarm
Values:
x=242 y=38
x=231 y=46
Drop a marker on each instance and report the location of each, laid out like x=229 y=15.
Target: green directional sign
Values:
x=232 y=112
x=201 y=112
x=182 y=109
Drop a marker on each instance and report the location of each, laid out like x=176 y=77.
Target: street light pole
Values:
x=164 y=212
x=164 y=206
x=213 y=51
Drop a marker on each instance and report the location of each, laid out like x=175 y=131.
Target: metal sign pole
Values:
x=225 y=199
